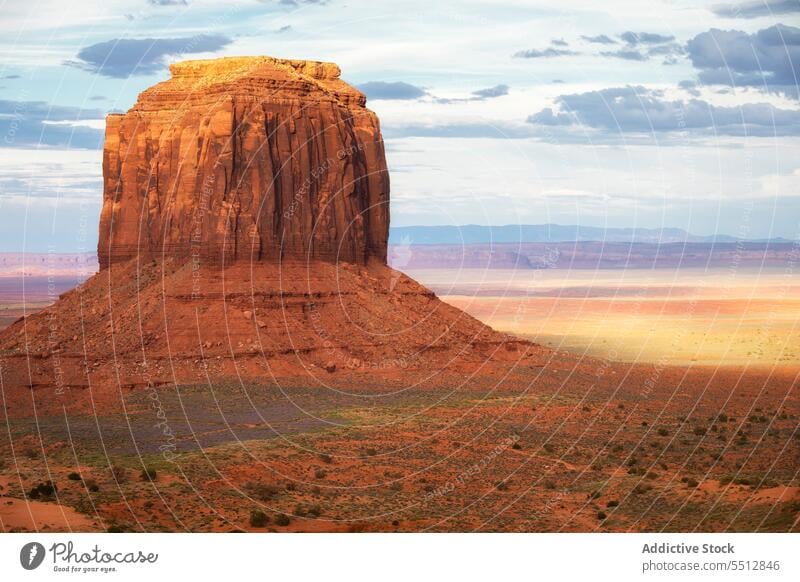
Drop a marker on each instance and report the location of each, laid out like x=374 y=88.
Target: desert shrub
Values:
x=43 y=490
x=148 y=474
x=371 y=452
x=644 y=423
x=601 y=515
x=258 y=518
x=690 y=482
x=549 y=447
x=723 y=417
x=260 y=491
x=632 y=461
x=612 y=503
x=92 y=485
x=516 y=446
x=621 y=406
x=282 y=520
x=616 y=448
x=429 y=488
x=700 y=430
x=326 y=458
x=663 y=432
x=594 y=495
x=74 y=476
x=313 y=511
x=116 y=528
x=120 y=474
x=30 y=453
x=396 y=486
x=502 y=486
x=320 y=473
x=291 y=486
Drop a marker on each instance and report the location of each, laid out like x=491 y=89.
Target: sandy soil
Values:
x=711 y=317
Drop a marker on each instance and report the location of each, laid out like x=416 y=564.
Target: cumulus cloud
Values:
x=599 y=39
x=123 y=57
x=669 y=51
x=489 y=92
x=497 y=130
x=634 y=38
x=543 y=54
x=479 y=95
x=756 y=9
x=769 y=58
x=627 y=54
x=397 y=90
x=36 y=123
x=641 y=110
x=559 y=42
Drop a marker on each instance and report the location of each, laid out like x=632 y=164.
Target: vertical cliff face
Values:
x=246 y=159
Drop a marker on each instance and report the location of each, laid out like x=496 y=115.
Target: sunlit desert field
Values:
x=712 y=317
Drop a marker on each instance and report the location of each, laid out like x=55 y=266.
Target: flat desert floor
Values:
x=716 y=317
x=574 y=440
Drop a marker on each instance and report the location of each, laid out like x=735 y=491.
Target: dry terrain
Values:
x=537 y=440
x=716 y=317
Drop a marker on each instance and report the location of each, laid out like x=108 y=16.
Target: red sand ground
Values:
x=393 y=425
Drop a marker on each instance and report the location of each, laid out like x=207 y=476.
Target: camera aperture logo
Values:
x=94 y=560
x=31 y=555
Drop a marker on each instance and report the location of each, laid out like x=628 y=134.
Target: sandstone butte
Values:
x=243 y=237
x=246 y=158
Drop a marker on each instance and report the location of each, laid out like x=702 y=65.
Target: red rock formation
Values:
x=246 y=158
x=230 y=161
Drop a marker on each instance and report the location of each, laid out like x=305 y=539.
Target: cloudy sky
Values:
x=644 y=113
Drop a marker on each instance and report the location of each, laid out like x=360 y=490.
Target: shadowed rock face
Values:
x=246 y=159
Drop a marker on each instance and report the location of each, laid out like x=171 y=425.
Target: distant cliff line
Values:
x=407 y=255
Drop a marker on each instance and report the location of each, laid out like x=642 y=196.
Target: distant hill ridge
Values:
x=549 y=233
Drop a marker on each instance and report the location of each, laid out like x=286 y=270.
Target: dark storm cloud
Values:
x=641 y=110
x=543 y=54
x=120 y=58
x=635 y=38
x=769 y=58
x=36 y=123
x=397 y=90
x=599 y=39
x=756 y=9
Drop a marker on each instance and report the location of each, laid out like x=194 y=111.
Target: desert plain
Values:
x=661 y=400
